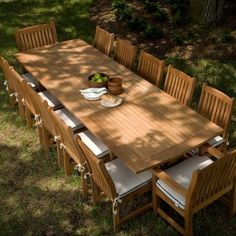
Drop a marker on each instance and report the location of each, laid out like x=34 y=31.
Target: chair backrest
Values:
x=103 y=40
x=99 y=172
x=216 y=106
x=36 y=36
x=211 y=182
x=179 y=85
x=48 y=122
x=67 y=137
x=27 y=97
x=17 y=81
x=6 y=68
x=41 y=107
x=151 y=68
x=2 y=64
x=125 y=53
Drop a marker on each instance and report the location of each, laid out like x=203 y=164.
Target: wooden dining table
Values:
x=149 y=128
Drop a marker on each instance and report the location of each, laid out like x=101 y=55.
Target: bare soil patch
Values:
x=188 y=41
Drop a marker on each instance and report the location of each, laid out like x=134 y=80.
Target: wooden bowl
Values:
x=115 y=85
x=93 y=84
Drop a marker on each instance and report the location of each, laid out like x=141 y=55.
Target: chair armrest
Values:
x=215 y=152
x=162 y=175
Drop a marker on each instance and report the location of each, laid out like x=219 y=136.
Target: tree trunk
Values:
x=206 y=11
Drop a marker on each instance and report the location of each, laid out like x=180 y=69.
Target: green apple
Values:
x=97 y=75
x=99 y=80
x=93 y=79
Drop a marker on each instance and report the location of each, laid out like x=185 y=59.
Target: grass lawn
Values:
x=35 y=197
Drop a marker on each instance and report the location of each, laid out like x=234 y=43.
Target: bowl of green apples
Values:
x=98 y=80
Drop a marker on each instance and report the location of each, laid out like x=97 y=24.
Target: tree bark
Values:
x=206 y=11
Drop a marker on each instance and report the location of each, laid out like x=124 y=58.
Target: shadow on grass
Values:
x=72 y=20
x=35 y=196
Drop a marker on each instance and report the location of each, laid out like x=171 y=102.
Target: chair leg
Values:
x=46 y=140
x=40 y=133
x=67 y=163
x=28 y=117
x=155 y=199
x=21 y=108
x=188 y=221
x=84 y=183
x=116 y=220
x=60 y=155
x=95 y=193
x=233 y=200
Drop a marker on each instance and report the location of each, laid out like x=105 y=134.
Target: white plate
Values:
x=93 y=90
x=93 y=96
x=109 y=104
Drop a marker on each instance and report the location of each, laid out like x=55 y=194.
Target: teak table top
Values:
x=148 y=129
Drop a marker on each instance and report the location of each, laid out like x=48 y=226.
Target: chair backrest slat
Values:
x=151 y=68
x=125 y=53
x=36 y=36
x=216 y=106
x=103 y=40
x=179 y=85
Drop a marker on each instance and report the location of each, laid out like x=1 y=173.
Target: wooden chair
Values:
x=72 y=155
x=8 y=81
x=179 y=85
x=103 y=40
x=50 y=131
x=24 y=98
x=17 y=81
x=61 y=123
x=36 y=36
x=117 y=183
x=125 y=53
x=217 y=107
x=192 y=185
x=151 y=68
x=35 y=104
x=27 y=101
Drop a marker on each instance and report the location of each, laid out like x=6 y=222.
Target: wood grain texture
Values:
x=36 y=36
x=149 y=128
x=216 y=106
x=125 y=53
x=179 y=85
x=151 y=68
x=103 y=40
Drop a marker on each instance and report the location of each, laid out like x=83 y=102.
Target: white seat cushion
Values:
x=51 y=100
x=94 y=144
x=182 y=174
x=216 y=141
x=124 y=179
x=69 y=118
x=31 y=80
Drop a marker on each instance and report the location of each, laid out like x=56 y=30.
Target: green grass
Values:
x=35 y=197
